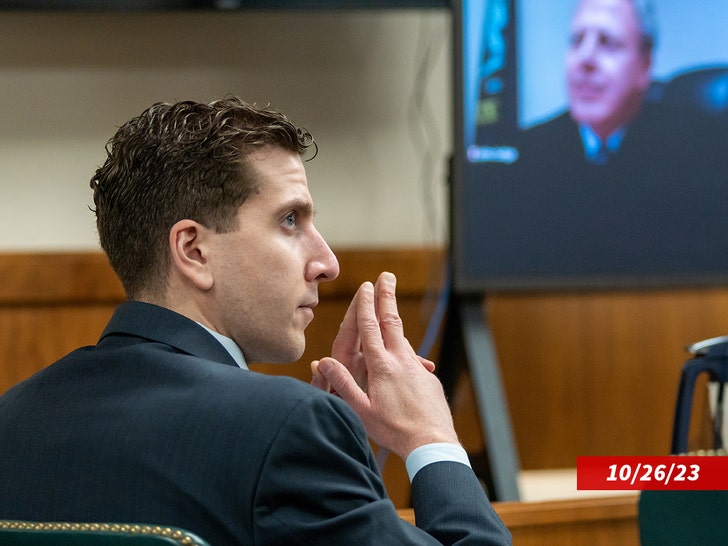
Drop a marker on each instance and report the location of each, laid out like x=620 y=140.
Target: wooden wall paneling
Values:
x=597 y=373
x=57 y=278
x=32 y=337
x=50 y=304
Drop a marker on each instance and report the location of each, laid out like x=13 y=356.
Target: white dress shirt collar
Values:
x=230 y=346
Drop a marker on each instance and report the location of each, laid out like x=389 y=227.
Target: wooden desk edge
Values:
x=526 y=514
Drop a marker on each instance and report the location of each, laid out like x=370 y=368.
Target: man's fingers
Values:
x=392 y=331
x=366 y=318
x=377 y=290
x=318 y=380
x=428 y=364
x=347 y=343
x=342 y=382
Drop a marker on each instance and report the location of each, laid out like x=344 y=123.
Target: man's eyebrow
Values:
x=299 y=205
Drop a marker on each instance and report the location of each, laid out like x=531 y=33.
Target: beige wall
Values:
x=68 y=79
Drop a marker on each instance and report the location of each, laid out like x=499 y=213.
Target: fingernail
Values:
x=389 y=278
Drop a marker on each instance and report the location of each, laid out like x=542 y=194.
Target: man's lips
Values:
x=307 y=308
x=586 y=90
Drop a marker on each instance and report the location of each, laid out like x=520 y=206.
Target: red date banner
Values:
x=674 y=472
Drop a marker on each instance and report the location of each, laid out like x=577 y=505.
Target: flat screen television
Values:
x=529 y=211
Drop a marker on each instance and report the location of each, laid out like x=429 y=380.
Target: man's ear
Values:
x=646 y=76
x=189 y=249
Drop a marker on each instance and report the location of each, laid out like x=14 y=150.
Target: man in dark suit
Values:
x=620 y=170
x=205 y=214
x=608 y=70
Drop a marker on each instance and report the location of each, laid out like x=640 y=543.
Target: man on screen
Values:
x=613 y=107
x=608 y=74
x=621 y=170
x=608 y=69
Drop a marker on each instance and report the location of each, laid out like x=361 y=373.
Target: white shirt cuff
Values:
x=434 y=453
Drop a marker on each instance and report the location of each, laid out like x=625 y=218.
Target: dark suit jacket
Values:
x=157 y=424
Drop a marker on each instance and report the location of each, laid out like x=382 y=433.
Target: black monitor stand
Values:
x=467 y=345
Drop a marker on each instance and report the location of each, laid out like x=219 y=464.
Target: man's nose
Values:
x=323 y=266
x=587 y=48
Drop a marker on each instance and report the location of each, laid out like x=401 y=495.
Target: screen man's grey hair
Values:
x=647 y=19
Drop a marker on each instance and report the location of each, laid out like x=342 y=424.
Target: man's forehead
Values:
x=619 y=9
x=611 y=17
x=281 y=185
x=269 y=164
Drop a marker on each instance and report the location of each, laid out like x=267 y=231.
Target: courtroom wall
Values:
x=372 y=86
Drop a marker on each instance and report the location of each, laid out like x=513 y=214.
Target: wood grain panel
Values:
x=31 y=337
x=57 y=278
x=597 y=373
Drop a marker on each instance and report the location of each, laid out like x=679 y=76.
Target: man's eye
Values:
x=291 y=219
x=609 y=43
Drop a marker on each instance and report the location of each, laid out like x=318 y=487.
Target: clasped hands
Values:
x=376 y=371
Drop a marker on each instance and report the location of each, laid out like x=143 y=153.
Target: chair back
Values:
x=704 y=89
x=709 y=357
x=687 y=518
x=33 y=533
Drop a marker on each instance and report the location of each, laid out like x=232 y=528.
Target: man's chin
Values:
x=283 y=354
x=293 y=352
x=590 y=116
x=586 y=115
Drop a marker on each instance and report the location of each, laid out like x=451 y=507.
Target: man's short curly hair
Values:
x=179 y=161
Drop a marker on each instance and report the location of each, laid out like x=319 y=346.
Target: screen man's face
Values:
x=608 y=70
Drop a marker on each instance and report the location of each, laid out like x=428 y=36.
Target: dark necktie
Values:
x=602 y=155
